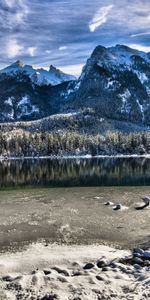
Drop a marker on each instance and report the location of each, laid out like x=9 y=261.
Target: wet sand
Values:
x=73 y=216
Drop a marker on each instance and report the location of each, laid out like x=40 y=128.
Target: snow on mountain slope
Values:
x=119 y=56
x=115 y=82
x=24 y=108
x=38 y=76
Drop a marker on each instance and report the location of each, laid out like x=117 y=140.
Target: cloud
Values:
x=72 y=69
x=58 y=32
x=48 y=51
x=140 y=47
x=62 y=48
x=32 y=51
x=100 y=17
x=140 y=34
x=13 y=48
x=13 y=14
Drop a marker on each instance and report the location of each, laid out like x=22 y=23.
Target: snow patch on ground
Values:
x=71 y=90
x=142 y=77
x=26 y=108
x=10 y=113
x=24 y=101
x=125 y=108
x=141 y=109
x=66 y=115
x=112 y=84
x=148 y=90
x=9 y=101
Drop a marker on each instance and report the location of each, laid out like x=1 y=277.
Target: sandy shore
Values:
x=72 y=273
x=43 y=242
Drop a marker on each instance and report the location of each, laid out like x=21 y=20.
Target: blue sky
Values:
x=65 y=32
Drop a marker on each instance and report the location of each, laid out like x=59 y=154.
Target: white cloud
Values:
x=72 y=69
x=140 y=47
x=9 y=3
x=140 y=34
x=48 y=51
x=100 y=17
x=62 y=48
x=13 y=48
x=14 y=14
x=32 y=51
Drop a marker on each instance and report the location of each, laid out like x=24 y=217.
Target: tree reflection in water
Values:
x=75 y=172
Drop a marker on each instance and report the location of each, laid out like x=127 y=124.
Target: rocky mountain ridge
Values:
x=38 y=76
x=114 y=83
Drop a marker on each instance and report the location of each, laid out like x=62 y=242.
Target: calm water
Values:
x=75 y=172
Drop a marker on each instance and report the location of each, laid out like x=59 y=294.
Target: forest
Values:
x=27 y=144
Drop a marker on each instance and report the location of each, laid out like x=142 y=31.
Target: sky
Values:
x=65 y=32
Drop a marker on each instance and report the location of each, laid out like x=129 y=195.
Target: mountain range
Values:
x=114 y=84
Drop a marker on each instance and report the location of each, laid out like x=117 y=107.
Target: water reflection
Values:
x=84 y=172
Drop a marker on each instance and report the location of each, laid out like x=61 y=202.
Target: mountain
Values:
x=27 y=93
x=38 y=76
x=115 y=82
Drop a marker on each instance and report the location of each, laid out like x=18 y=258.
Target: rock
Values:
x=47 y=272
x=138 y=260
x=137 y=255
x=105 y=269
x=50 y=297
x=146 y=254
x=78 y=273
x=88 y=266
x=101 y=263
x=113 y=265
x=138 y=251
x=137 y=266
x=117 y=207
x=108 y=203
x=147 y=262
x=62 y=279
x=76 y=264
x=7 y=278
x=60 y=271
x=100 y=278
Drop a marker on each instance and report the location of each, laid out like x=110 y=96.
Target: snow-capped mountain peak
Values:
x=119 y=55
x=38 y=76
x=116 y=81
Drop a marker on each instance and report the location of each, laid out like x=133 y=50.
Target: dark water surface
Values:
x=75 y=172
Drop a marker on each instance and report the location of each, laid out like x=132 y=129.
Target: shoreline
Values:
x=67 y=157
x=51 y=214
x=73 y=272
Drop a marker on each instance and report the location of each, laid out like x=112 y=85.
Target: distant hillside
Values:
x=81 y=122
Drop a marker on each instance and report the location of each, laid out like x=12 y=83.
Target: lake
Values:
x=62 y=201
x=75 y=172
